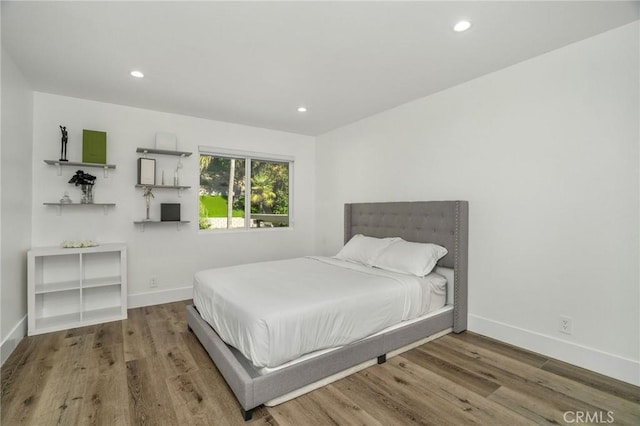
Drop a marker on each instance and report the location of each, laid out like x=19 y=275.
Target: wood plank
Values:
x=518 y=354
x=259 y=419
x=137 y=338
x=381 y=402
x=167 y=334
x=107 y=334
x=47 y=345
x=106 y=397
x=27 y=385
x=477 y=382
x=421 y=400
x=14 y=362
x=435 y=386
x=176 y=360
x=176 y=317
x=535 y=409
x=323 y=406
x=149 y=399
x=536 y=396
x=340 y=408
x=20 y=398
x=560 y=386
x=195 y=401
x=157 y=314
x=89 y=329
x=294 y=413
x=64 y=390
x=163 y=328
x=597 y=381
x=189 y=401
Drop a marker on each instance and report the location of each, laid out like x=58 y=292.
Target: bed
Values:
x=274 y=377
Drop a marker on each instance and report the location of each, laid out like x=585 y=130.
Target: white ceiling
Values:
x=255 y=62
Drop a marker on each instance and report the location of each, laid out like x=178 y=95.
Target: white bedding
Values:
x=274 y=312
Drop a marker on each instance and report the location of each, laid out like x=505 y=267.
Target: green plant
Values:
x=262 y=195
x=203 y=219
x=82 y=178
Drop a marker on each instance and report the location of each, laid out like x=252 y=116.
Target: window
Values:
x=243 y=191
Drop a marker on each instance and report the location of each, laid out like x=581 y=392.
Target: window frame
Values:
x=248 y=157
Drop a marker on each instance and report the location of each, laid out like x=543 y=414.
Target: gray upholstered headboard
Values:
x=445 y=223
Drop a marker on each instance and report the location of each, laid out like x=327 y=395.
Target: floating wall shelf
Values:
x=157 y=222
x=178 y=187
x=163 y=152
x=60 y=205
x=62 y=164
x=140 y=185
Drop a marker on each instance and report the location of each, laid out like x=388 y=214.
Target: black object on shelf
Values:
x=170 y=212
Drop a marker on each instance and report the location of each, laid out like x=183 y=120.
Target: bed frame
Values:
x=440 y=222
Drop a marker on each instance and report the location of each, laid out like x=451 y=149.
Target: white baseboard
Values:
x=11 y=341
x=625 y=369
x=158 y=297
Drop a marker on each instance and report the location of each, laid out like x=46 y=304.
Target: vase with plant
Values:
x=86 y=182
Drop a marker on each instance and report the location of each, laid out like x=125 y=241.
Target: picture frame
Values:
x=94 y=146
x=170 y=212
x=146 y=171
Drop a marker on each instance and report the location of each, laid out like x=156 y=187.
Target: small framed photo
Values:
x=146 y=171
x=170 y=212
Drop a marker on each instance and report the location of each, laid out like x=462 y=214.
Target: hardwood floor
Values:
x=149 y=370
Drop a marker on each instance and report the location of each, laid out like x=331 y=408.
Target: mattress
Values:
x=275 y=312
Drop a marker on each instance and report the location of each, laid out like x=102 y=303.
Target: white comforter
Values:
x=273 y=312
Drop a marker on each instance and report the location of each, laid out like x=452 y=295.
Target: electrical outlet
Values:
x=565 y=325
x=153 y=283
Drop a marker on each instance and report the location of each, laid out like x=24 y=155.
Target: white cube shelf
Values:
x=74 y=287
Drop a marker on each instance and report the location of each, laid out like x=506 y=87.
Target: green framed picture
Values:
x=94 y=146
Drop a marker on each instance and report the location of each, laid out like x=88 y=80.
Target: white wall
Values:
x=163 y=252
x=546 y=152
x=15 y=223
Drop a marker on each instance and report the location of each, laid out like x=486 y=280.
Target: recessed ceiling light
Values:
x=302 y=109
x=137 y=74
x=462 y=26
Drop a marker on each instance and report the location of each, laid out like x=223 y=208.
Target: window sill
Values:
x=242 y=231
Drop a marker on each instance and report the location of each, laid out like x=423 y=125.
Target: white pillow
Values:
x=409 y=258
x=364 y=250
